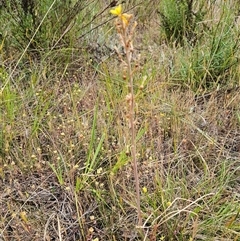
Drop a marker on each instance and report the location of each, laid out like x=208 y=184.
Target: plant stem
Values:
x=132 y=126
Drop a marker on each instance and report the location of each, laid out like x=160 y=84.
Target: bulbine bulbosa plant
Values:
x=125 y=29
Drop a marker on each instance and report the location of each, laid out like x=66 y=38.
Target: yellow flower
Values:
x=123 y=16
x=117 y=11
x=144 y=190
x=169 y=204
x=126 y=17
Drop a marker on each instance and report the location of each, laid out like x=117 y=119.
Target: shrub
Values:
x=179 y=20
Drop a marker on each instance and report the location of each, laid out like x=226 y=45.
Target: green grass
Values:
x=65 y=163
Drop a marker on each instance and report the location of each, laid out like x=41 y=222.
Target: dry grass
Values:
x=65 y=169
